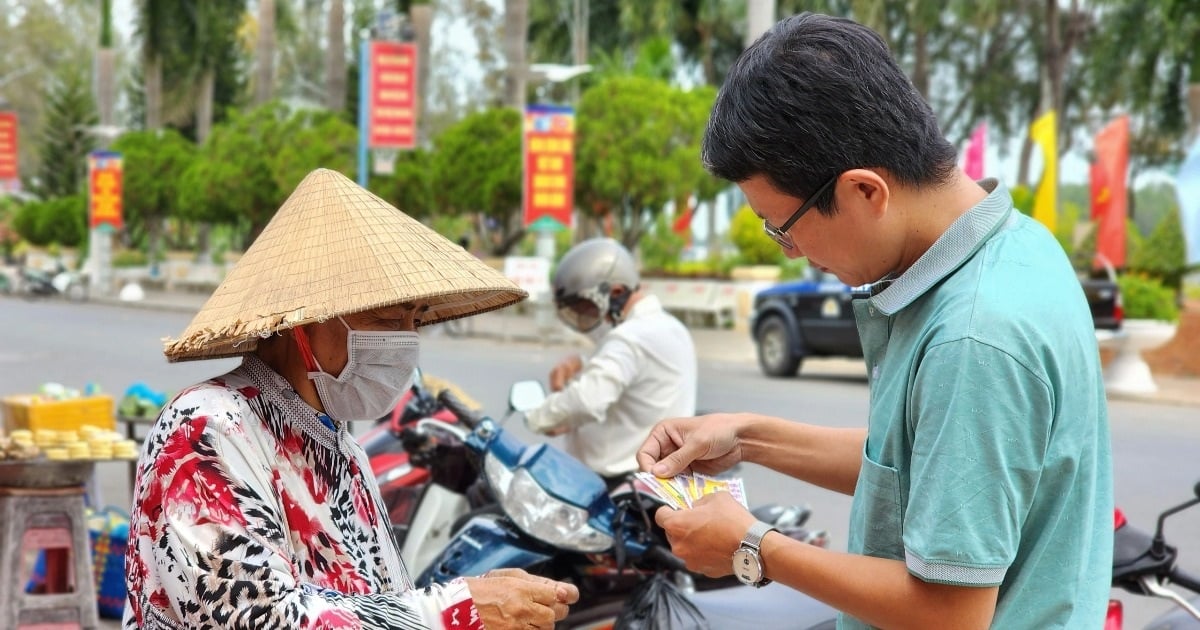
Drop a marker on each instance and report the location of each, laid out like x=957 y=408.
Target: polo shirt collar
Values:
x=959 y=242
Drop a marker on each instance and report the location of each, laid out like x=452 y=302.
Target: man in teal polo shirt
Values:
x=982 y=483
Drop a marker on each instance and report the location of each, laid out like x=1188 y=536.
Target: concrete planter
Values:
x=1128 y=373
x=755 y=273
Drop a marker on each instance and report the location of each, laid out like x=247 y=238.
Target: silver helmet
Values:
x=585 y=279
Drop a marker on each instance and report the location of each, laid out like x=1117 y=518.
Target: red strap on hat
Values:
x=301 y=337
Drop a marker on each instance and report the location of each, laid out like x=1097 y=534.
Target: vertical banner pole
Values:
x=364 y=95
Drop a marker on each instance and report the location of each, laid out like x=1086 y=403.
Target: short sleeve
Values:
x=980 y=426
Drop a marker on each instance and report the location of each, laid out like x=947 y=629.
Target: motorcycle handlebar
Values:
x=1185 y=579
x=464 y=414
x=664 y=557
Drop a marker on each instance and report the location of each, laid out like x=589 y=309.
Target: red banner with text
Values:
x=104 y=189
x=8 y=147
x=393 y=116
x=549 y=165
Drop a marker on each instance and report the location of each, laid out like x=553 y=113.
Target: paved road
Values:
x=1155 y=445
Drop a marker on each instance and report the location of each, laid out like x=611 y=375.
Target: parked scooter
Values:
x=422 y=514
x=38 y=283
x=557 y=518
x=1145 y=564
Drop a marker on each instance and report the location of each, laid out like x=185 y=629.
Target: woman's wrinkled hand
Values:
x=512 y=598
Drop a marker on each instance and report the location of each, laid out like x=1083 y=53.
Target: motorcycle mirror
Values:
x=526 y=395
x=1158 y=546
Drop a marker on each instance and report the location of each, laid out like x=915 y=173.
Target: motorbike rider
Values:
x=253 y=504
x=982 y=479
x=643 y=368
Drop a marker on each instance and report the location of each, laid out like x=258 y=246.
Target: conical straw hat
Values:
x=334 y=248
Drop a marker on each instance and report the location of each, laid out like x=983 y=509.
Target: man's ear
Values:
x=863 y=188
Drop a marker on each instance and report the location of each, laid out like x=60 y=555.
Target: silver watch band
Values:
x=754 y=535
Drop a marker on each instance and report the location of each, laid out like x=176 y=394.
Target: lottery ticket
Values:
x=666 y=490
x=701 y=485
x=682 y=491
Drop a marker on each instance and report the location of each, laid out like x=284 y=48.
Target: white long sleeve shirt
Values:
x=643 y=371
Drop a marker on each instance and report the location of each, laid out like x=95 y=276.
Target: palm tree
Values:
x=264 y=84
x=215 y=25
x=335 y=57
x=153 y=24
x=106 y=59
x=516 y=30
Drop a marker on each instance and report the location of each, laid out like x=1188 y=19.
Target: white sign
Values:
x=531 y=273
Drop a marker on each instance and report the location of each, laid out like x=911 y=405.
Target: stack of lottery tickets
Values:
x=681 y=491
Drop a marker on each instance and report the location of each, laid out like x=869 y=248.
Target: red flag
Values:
x=1109 y=201
x=683 y=222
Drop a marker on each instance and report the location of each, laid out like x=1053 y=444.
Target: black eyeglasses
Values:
x=780 y=234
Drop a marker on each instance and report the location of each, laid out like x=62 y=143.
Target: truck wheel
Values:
x=775 y=348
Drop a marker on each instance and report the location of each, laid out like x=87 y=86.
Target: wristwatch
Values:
x=747 y=563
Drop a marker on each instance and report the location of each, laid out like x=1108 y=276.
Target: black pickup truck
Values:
x=812 y=317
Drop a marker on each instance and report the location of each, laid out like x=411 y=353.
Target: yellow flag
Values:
x=1045 y=199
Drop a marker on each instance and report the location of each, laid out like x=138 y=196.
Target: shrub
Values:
x=753 y=245
x=661 y=246
x=129 y=258
x=1145 y=297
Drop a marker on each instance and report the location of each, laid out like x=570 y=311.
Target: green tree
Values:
x=313 y=139
x=213 y=44
x=154 y=163
x=1143 y=59
x=476 y=168
x=410 y=187
x=66 y=137
x=38 y=40
x=232 y=182
x=661 y=246
x=61 y=221
x=637 y=147
x=1162 y=256
x=753 y=245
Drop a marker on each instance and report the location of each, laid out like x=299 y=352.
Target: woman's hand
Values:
x=512 y=598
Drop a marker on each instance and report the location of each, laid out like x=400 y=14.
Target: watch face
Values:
x=747 y=567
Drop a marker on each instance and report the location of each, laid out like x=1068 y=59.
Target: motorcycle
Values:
x=422 y=514
x=1144 y=564
x=33 y=283
x=556 y=517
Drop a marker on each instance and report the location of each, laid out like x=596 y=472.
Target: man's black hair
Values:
x=814 y=97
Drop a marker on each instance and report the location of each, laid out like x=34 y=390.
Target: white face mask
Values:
x=378 y=372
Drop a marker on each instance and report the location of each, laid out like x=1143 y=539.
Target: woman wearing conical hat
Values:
x=253 y=505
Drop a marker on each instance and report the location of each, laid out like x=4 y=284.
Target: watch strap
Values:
x=754 y=535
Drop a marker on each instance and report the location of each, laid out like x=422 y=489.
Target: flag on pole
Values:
x=973 y=159
x=1110 y=202
x=1045 y=199
x=1187 y=187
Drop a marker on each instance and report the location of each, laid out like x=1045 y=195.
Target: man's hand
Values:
x=706 y=535
x=707 y=444
x=566 y=370
x=512 y=598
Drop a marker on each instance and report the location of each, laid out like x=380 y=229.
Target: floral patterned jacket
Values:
x=253 y=510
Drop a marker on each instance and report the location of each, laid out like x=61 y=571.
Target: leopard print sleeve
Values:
x=243 y=520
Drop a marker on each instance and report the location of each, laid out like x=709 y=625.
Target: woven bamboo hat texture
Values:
x=334 y=248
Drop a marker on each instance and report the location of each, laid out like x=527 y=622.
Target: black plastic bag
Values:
x=657 y=604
